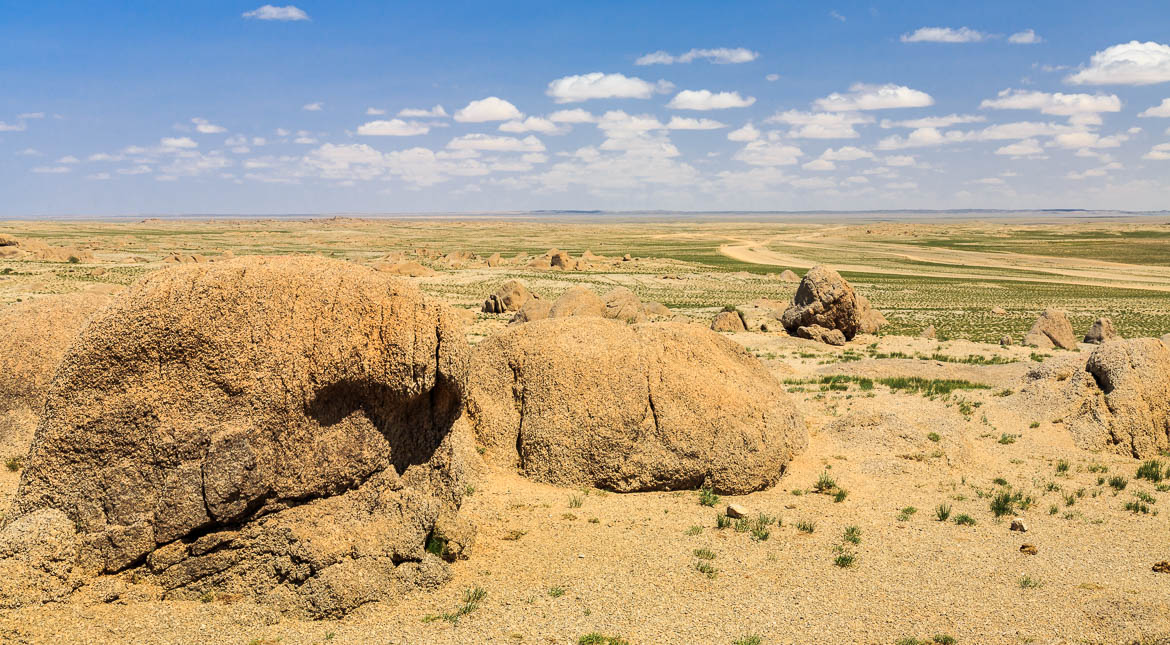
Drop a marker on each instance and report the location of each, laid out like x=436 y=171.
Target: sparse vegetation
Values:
x=14 y=464
x=962 y=519
x=1151 y=470
x=852 y=535
x=942 y=512
x=805 y=526
x=1118 y=483
x=597 y=638
x=1028 y=582
x=707 y=497
x=471 y=599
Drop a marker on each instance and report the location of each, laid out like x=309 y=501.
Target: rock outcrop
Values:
x=277 y=427
x=623 y=304
x=728 y=321
x=511 y=296
x=577 y=301
x=821 y=335
x=824 y=299
x=409 y=269
x=1051 y=329
x=1101 y=330
x=653 y=406
x=788 y=276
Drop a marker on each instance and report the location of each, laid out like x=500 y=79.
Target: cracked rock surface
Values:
x=586 y=401
x=279 y=427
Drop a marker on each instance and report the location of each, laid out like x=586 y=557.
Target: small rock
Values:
x=1018 y=525
x=1162 y=567
x=1005 y=341
x=580 y=555
x=999 y=311
x=1030 y=549
x=928 y=332
x=736 y=511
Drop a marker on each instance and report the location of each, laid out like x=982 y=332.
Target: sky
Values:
x=383 y=107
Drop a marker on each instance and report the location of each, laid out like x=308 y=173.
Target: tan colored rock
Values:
x=623 y=304
x=1018 y=525
x=1029 y=549
x=493 y=260
x=577 y=301
x=534 y=309
x=1102 y=330
x=652 y=406
x=929 y=332
x=511 y=296
x=728 y=321
x=870 y=320
x=8 y=240
x=561 y=260
x=1051 y=329
x=789 y=276
x=279 y=427
x=736 y=511
x=1166 y=340
x=820 y=334
x=999 y=311
x=1005 y=340
x=657 y=309
x=409 y=269
x=1124 y=404
x=824 y=299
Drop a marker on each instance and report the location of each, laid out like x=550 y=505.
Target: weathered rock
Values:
x=1006 y=341
x=1162 y=567
x=656 y=309
x=823 y=299
x=1102 y=330
x=1018 y=525
x=788 y=276
x=929 y=332
x=735 y=511
x=622 y=304
x=820 y=334
x=1166 y=340
x=728 y=321
x=8 y=240
x=577 y=301
x=273 y=426
x=534 y=309
x=410 y=269
x=870 y=320
x=494 y=260
x=1051 y=329
x=652 y=406
x=511 y=296
x=1029 y=549
x=999 y=311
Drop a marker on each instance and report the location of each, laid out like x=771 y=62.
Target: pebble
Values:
x=736 y=511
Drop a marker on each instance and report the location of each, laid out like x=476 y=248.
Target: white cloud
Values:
x=768 y=153
x=721 y=56
x=436 y=112
x=1160 y=152
x=497 y=144
x=1020 y=130
x=820 y=164
x=30 y=152
x=576 y=115
x=772 y=78
x=684 y=123
x=203 y=126
x=707 y=100
x=313 y=107
x=140 y=169
x=51 y=170
x=1078 y=140
x=69 y=159
x=1025 y=37
x=898 y=161
x=1083 y=109
x=1162 y=110
x=596 y=85
x=1025 y=148
x=747 y=133
x=989 y=181
x=492 y=108
x=98 y=176
x=846 y=153
x=821 y=125
x=874 y=97
x=1131 y=63
x=179 y=143
x=836 y=16
x=305 y=140
x=921 y=138
x=373 y=111
x=269 y=12
x=934 y=121
x=12 y=127
x=393 y=128
x=944 y=35
x=30 y=115
x=533 y=124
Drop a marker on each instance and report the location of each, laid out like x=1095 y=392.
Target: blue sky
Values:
x=228 y=107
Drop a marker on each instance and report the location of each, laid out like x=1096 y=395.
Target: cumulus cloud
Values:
x=820 y=164
x=576 y=115
x=747 y=133
x=1081 y=108
x=768 y=153
x=203 y=126
x=944 y=35
x=393 y=128
x=707 y=100
x=534 y=124
x=436 y=112
x=597 y=85
x=934 y=121
x=1081 y=140
x=684 y=123
x=821 y=125
x=1132 y=63
x=1160 y=152
x=313 y=107
x=12 y=127
x=1162 y=110
x=496 y=144
x=178 y=143
x=1025 y=37
x=846 y=153
x=1025 y=148
x=373 y=111
x=721 y=56
x=772 y=78
x=492 y=108
x=51 y=170
x=862 y=96
x=921 y=138
x=269 y=12
x=898 y=161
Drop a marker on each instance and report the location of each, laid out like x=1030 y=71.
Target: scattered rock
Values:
x=1018 y=525
x=8 y=240
x=826 y=300
x=494 y=260
x=735 y=511
x=1051 y=329
x=577 y=301
x=816 y=332
x=511 y=296
x=410 y=269
x=1162 y=567
x=623 y=304
x=653 y=406
x=789 y=276
x=999 y=311
x=1029 y=549
x=1166 y=340
x=728 y=321
x=561 y=260
x=928 y=332
x=1102 y=330
x=656 y=309
x=277 y=427
x=1005 y=340
x=533 y=309
x=871 y=320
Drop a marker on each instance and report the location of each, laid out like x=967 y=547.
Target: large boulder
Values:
x=824 y=299
x=577 y=301
x=1051 y=329
x=534 y=309
x=410 y=269
x=821 y=335
x=511 y=296
x=623 y=304
x=1101 y=330
x=728 y=321
x=652 y=406
x=280 y=427
x=789 y=276
x=870 y=320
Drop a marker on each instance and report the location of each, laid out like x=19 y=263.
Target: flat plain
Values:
x=905 y=544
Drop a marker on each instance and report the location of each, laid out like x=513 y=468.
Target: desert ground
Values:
x=857 y=542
